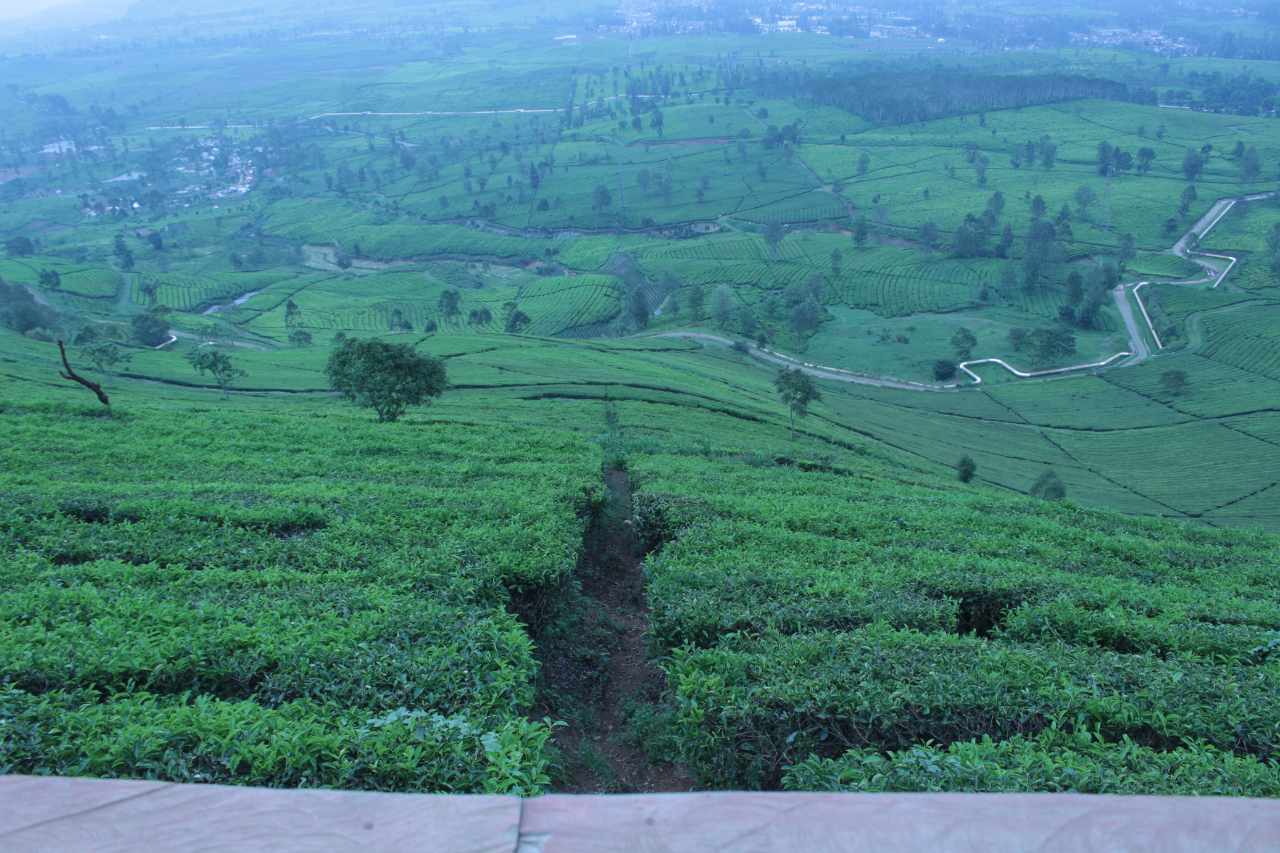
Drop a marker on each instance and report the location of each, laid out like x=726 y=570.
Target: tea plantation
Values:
x=831 y=404
x=312 y=598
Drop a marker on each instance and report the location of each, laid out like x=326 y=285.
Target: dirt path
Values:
x=601 y=756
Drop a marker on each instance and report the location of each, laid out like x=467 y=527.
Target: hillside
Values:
x=276 y=589
x=809 y=397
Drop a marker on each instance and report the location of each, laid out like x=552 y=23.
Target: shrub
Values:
x=1048 y=487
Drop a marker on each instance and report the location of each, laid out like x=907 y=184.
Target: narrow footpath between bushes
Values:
x=600 y=753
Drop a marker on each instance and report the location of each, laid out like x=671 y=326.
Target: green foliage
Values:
x=1174 y=382
x=1048 y=486
x=306 y=601
x=20 y=311
x=813 y=611
x=150 y=329
x=274 y=591
x=105 y=356
x=217 y=364
x=1051 y=761
x=388 y=378
x=797 y=390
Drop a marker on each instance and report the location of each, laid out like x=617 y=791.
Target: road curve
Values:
x=818 y=371
x=1212 y=217
x=1137 y=352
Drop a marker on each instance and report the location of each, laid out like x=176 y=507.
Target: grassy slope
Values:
x=276 y=589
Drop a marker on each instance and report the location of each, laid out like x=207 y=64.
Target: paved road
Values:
x=818 y=371
x=1138 y=350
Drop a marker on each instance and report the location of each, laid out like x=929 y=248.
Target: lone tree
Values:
x=1085 y=197
x=450 y=302
x=601 y=198
x=860 y=232
x=150 y=329
x=1192 y=164
x=105 y=356
x=797 y=391
x=1174 y=382
x=387 y=378
x=773 y=236
x=638 y=308
x=963 y=342
x=1048 y=487
x=70 y=375
x=722 y=305
x=217 y=364
x=19 y=247
x=1187 y=198
x=966 y=468
x=517 y=322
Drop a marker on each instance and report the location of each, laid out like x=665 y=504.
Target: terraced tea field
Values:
x=1020 y=533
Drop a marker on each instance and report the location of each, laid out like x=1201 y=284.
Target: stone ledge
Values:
x=57 y=814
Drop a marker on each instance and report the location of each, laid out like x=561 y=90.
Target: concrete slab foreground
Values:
x=914 y=823
x=48 y=815
x=42 y=815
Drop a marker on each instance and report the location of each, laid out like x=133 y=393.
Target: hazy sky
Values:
x=16 y=9
x=10 y=9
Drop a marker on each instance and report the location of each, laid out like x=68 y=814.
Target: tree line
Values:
x=888 y=97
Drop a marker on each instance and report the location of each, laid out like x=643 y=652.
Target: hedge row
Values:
x=299 y=744
x=751 y=706
x=1052 y=761
x=261 y=598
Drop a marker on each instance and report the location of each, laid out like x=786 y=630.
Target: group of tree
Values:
x=1249 y=161
x=1112 y=160
x=778 y=137
x=150 y=328
x=1042 y=249
x=1245 y=94
x=1273 y=248
x=972 y=238
x=20 y=311
x=899 y=98
x=124 y=255
x=963 y=342
x=1043 y=152
x=19 y=247
x=1083 y=306
x=1045 y=345
x=803 y=302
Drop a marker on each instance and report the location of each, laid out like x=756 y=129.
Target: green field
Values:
x=613 y=236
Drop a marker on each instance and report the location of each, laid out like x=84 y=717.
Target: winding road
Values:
x=1138 y=351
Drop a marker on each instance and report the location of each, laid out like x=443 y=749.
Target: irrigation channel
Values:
x=1138 y=350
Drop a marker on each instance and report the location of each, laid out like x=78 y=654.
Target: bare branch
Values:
x=72 y=376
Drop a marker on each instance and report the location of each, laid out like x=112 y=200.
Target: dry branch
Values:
x=72 y=376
